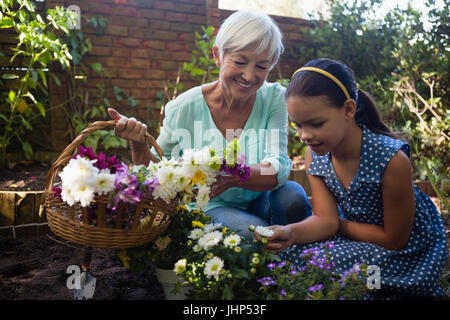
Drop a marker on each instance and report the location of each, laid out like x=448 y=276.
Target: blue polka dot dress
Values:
x=414 y=270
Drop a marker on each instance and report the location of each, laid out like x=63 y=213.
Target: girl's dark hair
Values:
x=311 y=83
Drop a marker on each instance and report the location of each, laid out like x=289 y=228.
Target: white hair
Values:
x=244 y=29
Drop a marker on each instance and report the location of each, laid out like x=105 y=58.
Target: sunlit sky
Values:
x=301 y=8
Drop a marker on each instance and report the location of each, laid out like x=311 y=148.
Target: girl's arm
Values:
x=320 y=226
x=398 y=206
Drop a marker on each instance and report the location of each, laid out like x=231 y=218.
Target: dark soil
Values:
x=34 y=268
x=24 y=176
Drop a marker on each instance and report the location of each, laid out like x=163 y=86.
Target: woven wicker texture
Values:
x=71 y=222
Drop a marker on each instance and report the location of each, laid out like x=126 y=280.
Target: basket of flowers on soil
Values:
x=103 y=202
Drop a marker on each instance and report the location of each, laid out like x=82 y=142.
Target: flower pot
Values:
x=169 y=280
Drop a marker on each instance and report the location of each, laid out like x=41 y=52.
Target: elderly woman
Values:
x=239 y=104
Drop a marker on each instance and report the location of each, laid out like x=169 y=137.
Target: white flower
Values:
x=211 y=227
x=67 y=196
x=263 y=231
x=209 y=240
x=104 y=182
x=232 y=241
x=196 y=234
x=136 y=168
x=180 y=266
x=83 y=192
x=180 y=179
x=202 y=198
x=213 y=267
x=79 y=169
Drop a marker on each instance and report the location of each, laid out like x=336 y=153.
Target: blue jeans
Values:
x=287 y=204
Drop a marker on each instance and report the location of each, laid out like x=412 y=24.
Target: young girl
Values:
x=356 y=167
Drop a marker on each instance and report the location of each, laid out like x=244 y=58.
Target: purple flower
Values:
x=87 y=152
x=281 y=264
x=113 y=163
x=267 y=281
x=271 y=265
x=283 y=293
x=329 y=245
x=57 y=193
x=238 y=169
x=102 y=162
x=151 y=184
x=315 y=251
x=126 y=186
x=316 y=287
x=293 y=271
x=240 y=159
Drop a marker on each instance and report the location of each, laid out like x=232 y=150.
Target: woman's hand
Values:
x=222 y=184
x=129 y=128
x=134 y=131
x=281 y=239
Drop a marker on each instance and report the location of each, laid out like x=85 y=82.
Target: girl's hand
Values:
x=129 y=128
x=281 y=239
x=222 y=184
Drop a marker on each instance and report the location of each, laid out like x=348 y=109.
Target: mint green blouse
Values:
x=188 y=124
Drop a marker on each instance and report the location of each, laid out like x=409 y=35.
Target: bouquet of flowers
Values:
x=88 y=175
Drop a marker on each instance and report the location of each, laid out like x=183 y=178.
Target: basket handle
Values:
x=71 y=149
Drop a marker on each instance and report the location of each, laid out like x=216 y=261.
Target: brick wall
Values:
x=144 y=44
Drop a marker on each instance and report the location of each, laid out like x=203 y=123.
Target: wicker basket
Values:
x=63 y=221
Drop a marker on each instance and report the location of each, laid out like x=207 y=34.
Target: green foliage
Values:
x=202 y=67
x=23 y=90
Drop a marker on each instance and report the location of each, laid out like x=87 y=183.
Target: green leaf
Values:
x=106 y=100
x=6 y=22
x=97 y=67
x=12 y=95
x=41 y=108
x=111 y=142
x=43 y=77
x=58 y=83
x=27 y=149
x=26 y=124
x=9 y=76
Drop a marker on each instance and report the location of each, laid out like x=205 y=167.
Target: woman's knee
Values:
x=235 y=219
x=291 y=202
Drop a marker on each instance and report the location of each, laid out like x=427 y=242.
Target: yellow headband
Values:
x=327 y=74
